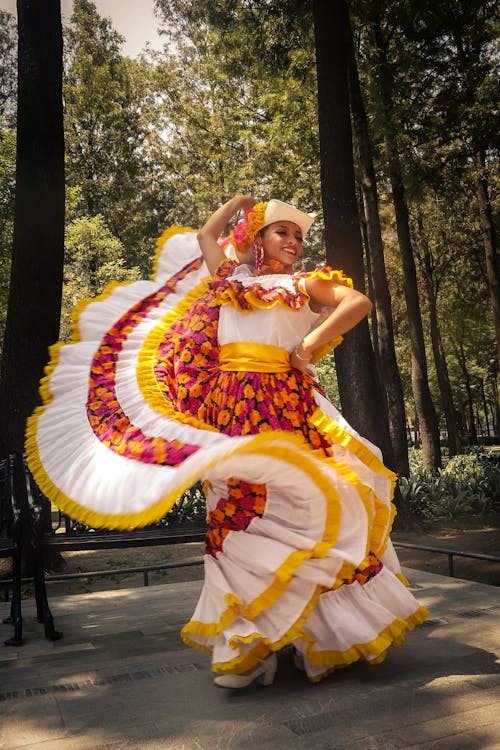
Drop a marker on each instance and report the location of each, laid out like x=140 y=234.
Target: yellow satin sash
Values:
x=247 y=356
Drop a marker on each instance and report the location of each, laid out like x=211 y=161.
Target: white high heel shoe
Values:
x=264 y=672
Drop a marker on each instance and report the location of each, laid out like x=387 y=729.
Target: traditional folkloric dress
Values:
x=184 y=378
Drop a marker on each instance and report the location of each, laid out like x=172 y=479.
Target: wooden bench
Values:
x=184 y=523
x=11 y=544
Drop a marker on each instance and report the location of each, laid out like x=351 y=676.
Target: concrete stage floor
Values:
x=121 y=678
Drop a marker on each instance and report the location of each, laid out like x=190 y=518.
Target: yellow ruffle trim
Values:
x=322 y=351
x=384 y=515
x=242 y=662
x=337 y=434
x=228 y=296
x=158 y=509
x=329 y=274
x=167 y=234
x=284 y=573
x=393 y=635
x=253 y=295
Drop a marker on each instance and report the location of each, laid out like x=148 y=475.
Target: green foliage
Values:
x=327 y=377
x=238 y=81
x=415 y=459
x=7 y=188
x=469 y=483
x=8 y=67
x=107 y=125
x=8 y=91
x=94 y=257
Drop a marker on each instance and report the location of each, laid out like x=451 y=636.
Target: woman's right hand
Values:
x=215 y=225
x=245 y=201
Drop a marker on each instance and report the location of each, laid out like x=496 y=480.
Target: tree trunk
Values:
x=369 y=277
x=490 y=243
x=38 y=246
x=495 y=407
x=427 y=419
x=485 y=408
x=359 y=387
x=437 y=345
x=470 y=420
x=381 y=295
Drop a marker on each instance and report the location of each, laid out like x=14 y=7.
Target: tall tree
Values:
x=38 y=245
x=452 y=49
x=471 y=96
x=424 y=406
x=384 y=340
x=359 y=386
x=491 y=252
x=431 y=286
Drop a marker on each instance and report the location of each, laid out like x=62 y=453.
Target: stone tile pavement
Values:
x=121 y=679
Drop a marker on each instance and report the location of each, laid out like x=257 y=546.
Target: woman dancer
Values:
x=187 y=377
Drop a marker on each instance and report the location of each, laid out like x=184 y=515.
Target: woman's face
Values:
x=282 y=241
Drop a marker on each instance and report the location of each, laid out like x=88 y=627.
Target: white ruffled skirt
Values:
x=314 y=567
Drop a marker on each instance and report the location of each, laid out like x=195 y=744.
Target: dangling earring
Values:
x=258 y=254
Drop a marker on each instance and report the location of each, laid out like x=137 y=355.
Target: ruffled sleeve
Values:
x=327 y=274
x=327 y=348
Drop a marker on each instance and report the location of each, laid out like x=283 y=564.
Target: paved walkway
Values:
x=121 y=679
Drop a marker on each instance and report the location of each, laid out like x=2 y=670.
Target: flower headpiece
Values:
x=243 y=234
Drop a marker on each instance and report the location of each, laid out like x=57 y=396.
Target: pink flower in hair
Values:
x=243 y=233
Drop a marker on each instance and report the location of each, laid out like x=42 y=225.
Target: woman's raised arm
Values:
x=212 y=230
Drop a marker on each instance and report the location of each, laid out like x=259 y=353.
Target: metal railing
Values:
x=451 y=553
x=146 y=569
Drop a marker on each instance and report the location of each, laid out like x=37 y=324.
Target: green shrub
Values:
x=415 y=459
x=469 y=483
